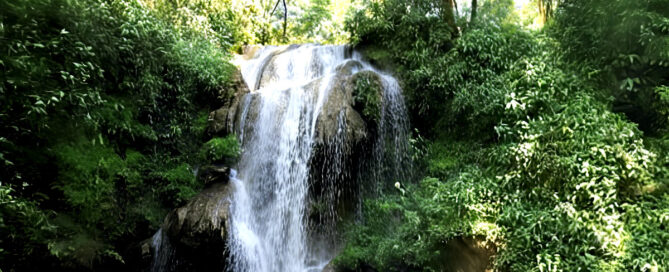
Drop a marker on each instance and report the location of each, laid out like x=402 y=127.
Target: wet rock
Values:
x=248 y=51
x=138 y=256
x=341 y=137
x=198 y=231
x=270 y=67
x=329 y=268
x=339 y=105
x=203 y=221
x=214 y=174
x=145 y=249
x=348 y=68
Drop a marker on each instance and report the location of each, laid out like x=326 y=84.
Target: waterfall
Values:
x=289 y=87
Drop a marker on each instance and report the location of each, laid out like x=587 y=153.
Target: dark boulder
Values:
x=194 y=237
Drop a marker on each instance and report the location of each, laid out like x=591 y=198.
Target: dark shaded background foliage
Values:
x=623 y=45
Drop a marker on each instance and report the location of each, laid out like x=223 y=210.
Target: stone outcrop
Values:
x=196 y=234
x=340 y=100
x=222 y=121
x=202 y=222
x=212 y=174
x=240 y=109
x=194 y=237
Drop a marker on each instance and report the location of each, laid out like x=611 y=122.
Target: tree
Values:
x=285 y=15
x=473 y=14
x=449 y=15
x=546 y=8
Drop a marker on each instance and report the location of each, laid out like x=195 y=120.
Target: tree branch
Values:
x=274 y=9
x=285 y=18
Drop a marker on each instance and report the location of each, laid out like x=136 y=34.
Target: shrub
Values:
x=181 y=183
x=367 y=95
x=221 y=150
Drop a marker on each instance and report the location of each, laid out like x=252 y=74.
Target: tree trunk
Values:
x=285 y=19
x=473 y=15
x=449 y=16
x=285 y=16
x=545 y=10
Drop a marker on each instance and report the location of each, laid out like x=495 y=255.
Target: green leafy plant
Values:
x=367 y=95
x=221 y=150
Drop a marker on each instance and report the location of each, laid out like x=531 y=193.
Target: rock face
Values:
x=340 y=100
x=222 y=120
x=212 y=174
x=203 y=222
x=241 y=109
x=194 y=237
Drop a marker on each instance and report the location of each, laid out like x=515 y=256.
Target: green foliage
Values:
x=221 y=150
x=624 y=45
x=311 y=24
x=389 y=25
x=524 y=148
x=231 y=24
x=97 y=107
x=582 y=173
x=420 y=42
x=24 y=228
x=410 y=231
x=87 y=177
x=646 y=223
x=367 y=95
x=102 y=114
x=551 y=196
x=181 y=183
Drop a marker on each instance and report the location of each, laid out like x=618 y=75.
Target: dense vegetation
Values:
x=104 y=107
x=544 y=136
x=548 y=146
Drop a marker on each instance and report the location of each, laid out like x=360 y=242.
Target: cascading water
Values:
x=289 y=87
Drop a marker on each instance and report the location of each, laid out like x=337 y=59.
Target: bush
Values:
x=367 y=95
x=181 y=184
x=623 y=45
x=221 y=150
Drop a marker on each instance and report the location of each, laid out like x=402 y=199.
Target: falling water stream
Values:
x=278 y=123
x=269 y=231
